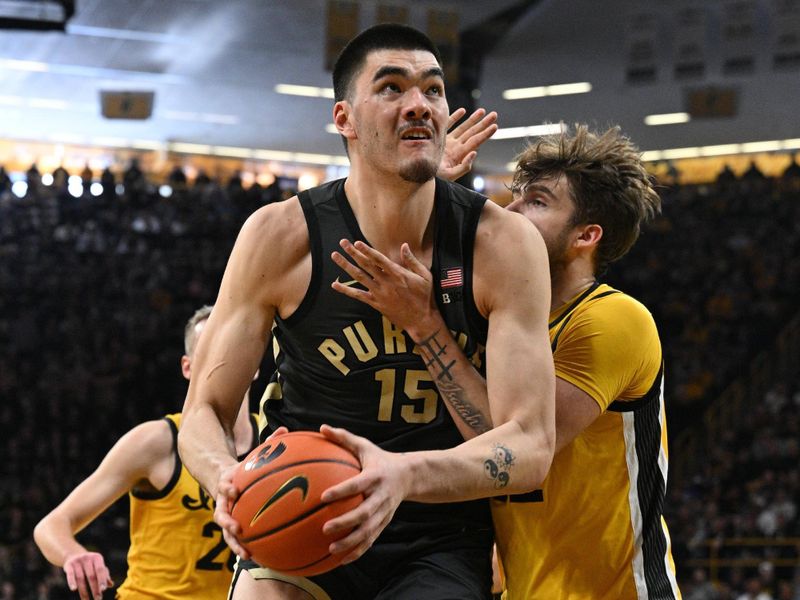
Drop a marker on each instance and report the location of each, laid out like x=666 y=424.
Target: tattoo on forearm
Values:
x=451 y=391
x=435 y=350
x=454 y=396
x=498 y=467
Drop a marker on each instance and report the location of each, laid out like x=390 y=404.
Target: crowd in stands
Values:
x=96 y=289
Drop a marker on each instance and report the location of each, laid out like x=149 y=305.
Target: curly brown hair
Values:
x=607 y=180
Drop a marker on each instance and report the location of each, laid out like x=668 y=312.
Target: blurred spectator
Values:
x=87 y=176
x=177 y=178
x=60 y=178
x=753 y=172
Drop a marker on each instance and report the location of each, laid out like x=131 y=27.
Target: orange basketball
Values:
x=279 y=506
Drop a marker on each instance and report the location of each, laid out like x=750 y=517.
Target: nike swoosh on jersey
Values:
x=298 y=482
x=350 y=283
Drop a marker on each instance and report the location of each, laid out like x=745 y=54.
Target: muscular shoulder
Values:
x=510 y=255
x=278 y=229
x=272 y=246
x=610 y=349
x=500 y=230
x=152 y=440
x=621 y=319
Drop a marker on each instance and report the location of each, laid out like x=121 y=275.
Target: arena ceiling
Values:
x=213 y=67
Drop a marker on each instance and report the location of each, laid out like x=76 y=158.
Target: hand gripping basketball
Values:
x=279 y=509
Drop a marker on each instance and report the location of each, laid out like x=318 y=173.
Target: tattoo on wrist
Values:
x=435 y=350
x=498 y=467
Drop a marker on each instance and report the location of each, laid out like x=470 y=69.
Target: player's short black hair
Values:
x=386 y=36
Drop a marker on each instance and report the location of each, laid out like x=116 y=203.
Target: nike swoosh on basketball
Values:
x=298 y=482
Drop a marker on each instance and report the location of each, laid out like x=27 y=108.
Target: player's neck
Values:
x=391 y=211
x=568 y=280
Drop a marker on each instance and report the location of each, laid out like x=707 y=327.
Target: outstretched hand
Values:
x=384 y=482
x=402 y=292
x=462 y=142
x=88 y=575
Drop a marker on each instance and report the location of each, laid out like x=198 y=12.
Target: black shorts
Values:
x=457 y=566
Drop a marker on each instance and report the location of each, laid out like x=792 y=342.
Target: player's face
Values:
x=399 y=113
x=547 y=203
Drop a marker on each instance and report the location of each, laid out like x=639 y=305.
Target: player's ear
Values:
x=342 y=119
x=186 y=366
x=589 y=235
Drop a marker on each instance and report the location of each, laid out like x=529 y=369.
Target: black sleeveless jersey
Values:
x=339 y=361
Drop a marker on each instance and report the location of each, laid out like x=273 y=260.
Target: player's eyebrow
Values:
x=532 y=187
x=388 y=70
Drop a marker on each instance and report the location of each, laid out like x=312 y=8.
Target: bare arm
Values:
x=133 y=459
x=575 y=411
x=403 y=292
x=512 y=289
x=232 y=345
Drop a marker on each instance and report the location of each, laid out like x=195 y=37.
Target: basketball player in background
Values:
x=596 y=529
x=176 y=550
x=342 y=364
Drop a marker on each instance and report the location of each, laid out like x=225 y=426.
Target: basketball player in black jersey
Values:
x=344 y=369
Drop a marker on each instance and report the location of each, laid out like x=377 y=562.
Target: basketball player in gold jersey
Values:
x=595 y=530
x=176 y=551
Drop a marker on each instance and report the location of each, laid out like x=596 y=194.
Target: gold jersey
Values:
x=177 y=550
x=595 y=531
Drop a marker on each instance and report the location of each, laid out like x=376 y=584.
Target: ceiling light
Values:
x=304 y=90
x=11 y=100
x=233 y=151
x=652 y=155
x=186 y=148
x=565 y=89
x=47 y=103
x=110 y=142
x=124 y=34
x=273 y=155
x=675 y=153
x=531 y=131
x=331 y=128
x=541 y=91
x=147 y=145
x=667 y=118
x=720 y=150
x=762 y=146
x=23 y=65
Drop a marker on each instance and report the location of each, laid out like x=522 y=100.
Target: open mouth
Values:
x=416 y=134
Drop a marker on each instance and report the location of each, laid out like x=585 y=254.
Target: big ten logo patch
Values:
x=451 y=282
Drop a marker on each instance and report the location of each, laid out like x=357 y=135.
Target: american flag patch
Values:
x=452 y=277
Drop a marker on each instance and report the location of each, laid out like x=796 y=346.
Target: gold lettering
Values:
x=335 y=355
x=461 y=340
x=476 y=358
x=387 y=379
x=412 y=390
x=363 y=346
x=394 y=342
x=273 y=392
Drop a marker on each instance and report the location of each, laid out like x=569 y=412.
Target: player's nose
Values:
x=418 y=106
